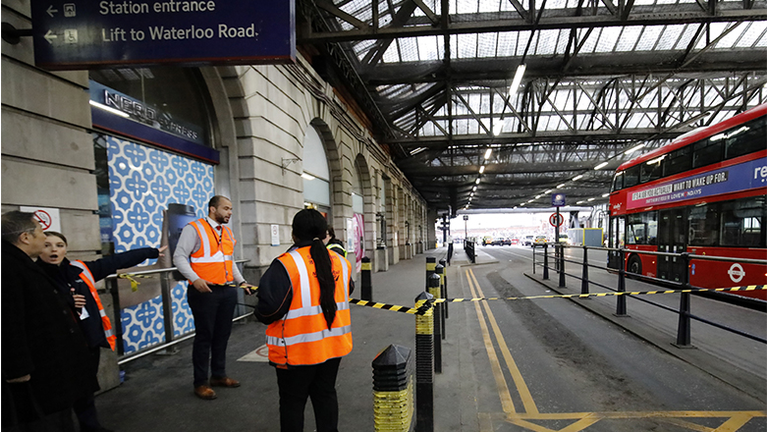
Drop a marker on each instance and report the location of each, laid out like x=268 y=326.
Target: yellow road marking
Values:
x=734 y=423
x=517 y=377
x=501 y=384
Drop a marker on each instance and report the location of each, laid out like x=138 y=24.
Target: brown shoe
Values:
x=205 y=392
x=224 y=382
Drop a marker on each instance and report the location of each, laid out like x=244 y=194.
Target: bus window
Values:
x=632 y=176
x=703 y=229
x=745 y=139
x=708 y=151
x=677 y=161
x=651 y=170
x=743 y=222
x=618 y=181
x=635 y=229
x=652 y=224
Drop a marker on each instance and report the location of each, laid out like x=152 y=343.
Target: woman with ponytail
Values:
x=304 y=298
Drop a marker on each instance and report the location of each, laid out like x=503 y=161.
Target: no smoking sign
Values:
x=48 y=217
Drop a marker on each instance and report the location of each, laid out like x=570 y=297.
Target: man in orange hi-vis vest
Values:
x=304 y=297
x=205 y=256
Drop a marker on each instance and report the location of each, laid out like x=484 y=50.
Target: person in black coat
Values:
x=42 y=345
x=69 y=280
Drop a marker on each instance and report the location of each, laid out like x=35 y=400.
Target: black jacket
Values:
x=40 y=337
x=67 y=276
x=275 y=293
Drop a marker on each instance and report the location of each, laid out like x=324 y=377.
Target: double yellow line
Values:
x=507 y=405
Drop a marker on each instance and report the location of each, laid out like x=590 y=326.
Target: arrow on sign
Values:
x=51 y=10
x=50 y=37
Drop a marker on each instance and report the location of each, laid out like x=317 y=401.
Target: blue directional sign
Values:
x=558 y=200
x=80 y=34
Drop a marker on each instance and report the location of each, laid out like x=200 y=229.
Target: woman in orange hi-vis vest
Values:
x=79 y=278
x=304 y=298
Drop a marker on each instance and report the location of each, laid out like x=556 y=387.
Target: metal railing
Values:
x=684 y=310
x=166 y=284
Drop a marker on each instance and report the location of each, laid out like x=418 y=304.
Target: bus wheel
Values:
x=634 y=265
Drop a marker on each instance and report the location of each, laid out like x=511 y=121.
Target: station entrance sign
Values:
x=82 y=34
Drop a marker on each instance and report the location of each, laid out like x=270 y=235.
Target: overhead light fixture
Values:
x=482 y=168
x=417 y=150
x=516 y=80
x=657 y=160
x=605 y=195
x=522 y=204
x=549 y=191
x=307 y=176
x=530 y=201
x=591 y=199
x=477 y=181
x=634 y=149
x=474 y=188
x=578 y=177
x=108 y=109
x=560 y=185
x=537 y=196
x=601 y=165
x=579 y=202
x=488 y=153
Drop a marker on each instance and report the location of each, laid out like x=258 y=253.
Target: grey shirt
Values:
x=189 y=242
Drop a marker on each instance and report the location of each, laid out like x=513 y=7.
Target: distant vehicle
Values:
x=487 y=241
x=514 y=241
x=540 y=239
x=528 y=240
x=564 y=239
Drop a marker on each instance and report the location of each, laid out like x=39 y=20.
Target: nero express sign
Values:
x=85 y=34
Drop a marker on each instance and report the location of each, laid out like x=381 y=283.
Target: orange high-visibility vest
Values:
x=87 y=277
x=302 y=336
x=213 y=260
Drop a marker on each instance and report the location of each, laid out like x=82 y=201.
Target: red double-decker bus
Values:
x=704 y=193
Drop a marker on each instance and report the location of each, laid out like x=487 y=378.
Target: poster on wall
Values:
x=358 y=242
x=350 y=234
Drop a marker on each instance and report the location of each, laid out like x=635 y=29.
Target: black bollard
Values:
x=366 y=288
x=440 y=307
x=425 y=372
x=392 y=389
x=430 y=270
x=585 y=274
x=434 y=289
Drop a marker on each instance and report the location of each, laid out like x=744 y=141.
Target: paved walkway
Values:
x=157 y=392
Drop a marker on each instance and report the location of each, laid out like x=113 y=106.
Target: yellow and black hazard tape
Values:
x=395 y=308
x=604 y=294
x=134 y=282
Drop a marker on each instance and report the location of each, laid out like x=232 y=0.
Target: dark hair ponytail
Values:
x=310 y=224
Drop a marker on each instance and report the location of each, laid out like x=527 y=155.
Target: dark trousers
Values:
x=85 y=406
x=319 y=383
x=57 y=422
x=213 y=314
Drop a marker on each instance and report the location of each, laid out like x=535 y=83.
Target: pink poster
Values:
x=359 y=244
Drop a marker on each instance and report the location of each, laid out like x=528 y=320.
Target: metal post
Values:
x=434 y=289
x=425 y=325
x=561 y=284
x=585 y=274
x=621 y=300
x=118 y=321
x=165 y=289
x=546 y=263
x=533 y=248
x=444 y=294
x=366 y=288
x=684 y=320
